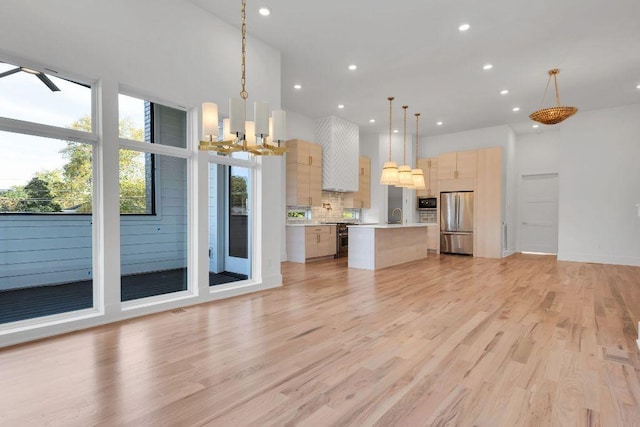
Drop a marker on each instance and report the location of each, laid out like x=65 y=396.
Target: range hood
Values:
x=340 y=142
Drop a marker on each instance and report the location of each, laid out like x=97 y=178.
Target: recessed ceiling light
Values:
x=516 y=109
x=638 y=87
x=395 y=131
x=353 y=67
x=264 y=11
x=439 y=123
x=341 y=106
x=464 y=27
x=298 y=87
x=487 y=67
x=372 y=120
x=535 y=126
x=504 y=92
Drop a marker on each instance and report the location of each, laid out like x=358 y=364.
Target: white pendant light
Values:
x=389 y=169
x=240 y=134
x=417 y=174
x=404 y=171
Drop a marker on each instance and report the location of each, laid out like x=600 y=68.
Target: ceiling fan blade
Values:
x=48 y=82
x=8 y=73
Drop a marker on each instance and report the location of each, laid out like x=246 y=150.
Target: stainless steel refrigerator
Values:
x=456 y=222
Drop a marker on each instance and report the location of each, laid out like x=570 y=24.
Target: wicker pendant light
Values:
x=553 y=115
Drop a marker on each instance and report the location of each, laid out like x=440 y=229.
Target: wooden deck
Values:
x=447 y=340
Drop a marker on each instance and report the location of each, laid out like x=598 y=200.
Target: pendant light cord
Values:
x=554 y=72
x=391 y=98
x=416 y=159
x=243 y=94
x=404 y=143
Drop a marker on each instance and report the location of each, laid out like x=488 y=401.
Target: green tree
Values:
x=70 y=188
x=38 y=198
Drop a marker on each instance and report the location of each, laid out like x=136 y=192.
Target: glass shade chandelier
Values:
x=553 y=115
x=261 y=137
x=390 y=169
x=417 y=174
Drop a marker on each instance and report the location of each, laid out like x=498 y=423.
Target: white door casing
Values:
x=539 y=213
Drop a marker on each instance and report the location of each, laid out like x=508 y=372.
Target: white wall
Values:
x=599 y=183
x=300 y=126
x=536 y=153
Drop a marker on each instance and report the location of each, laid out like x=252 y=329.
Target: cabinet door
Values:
x=446 y=166
x=467 y=164
x=315 y=155
x=311 y=245
x=302 y=177
x=365 y=182
x=424 y=165
x=433 y=237
x=433 y=178
x=315 y=185
x=327 y=243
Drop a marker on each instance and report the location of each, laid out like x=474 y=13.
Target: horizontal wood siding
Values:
x=38 y=250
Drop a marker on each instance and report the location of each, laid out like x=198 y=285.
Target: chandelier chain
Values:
x=243 y=79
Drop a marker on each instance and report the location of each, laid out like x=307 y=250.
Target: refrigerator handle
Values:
x=457 y=212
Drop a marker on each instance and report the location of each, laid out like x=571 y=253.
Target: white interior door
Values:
x=539 y=213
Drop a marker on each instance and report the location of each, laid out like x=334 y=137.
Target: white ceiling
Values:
x=413 y=50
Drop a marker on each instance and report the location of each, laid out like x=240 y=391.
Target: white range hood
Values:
x=340 y=142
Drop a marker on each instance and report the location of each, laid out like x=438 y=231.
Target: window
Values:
x=27 y=96
x=153 y=250
x=46 y=192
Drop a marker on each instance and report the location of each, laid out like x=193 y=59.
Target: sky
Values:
x=24 y=97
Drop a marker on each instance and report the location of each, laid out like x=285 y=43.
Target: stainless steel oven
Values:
x=342 y=243
x=427 y=203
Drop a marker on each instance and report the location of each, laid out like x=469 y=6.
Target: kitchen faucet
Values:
x=393 y=213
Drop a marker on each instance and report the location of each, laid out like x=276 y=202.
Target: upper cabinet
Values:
x=429 y=168
x=362 y=197
x=340 y=142
x=304 y=173
x=457 y=171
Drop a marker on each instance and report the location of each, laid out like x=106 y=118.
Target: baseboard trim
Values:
x=599 y=259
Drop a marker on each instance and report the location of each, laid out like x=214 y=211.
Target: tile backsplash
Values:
x=333 y=203
x=429 y=215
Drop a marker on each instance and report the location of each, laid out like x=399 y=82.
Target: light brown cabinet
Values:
x=308 y=242
x=304 y=173
x=457 y=165
x=457 y=171
x=433 y=237
x=429 y=168
x=487 y=237
x=362 y=197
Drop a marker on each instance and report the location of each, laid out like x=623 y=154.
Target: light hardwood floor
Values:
x=448 y=340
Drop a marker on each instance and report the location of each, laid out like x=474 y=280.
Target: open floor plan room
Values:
x=524 y=340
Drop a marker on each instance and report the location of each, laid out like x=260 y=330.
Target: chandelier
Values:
x=553 y=115
x=261 y=137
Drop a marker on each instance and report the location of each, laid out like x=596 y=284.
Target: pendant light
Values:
x=256 y=137
x=417 y=174
x=553 y=115
x=389 y=169
x=404 y=171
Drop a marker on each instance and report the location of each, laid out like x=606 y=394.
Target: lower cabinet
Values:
x=308 y=242
x=433 y=237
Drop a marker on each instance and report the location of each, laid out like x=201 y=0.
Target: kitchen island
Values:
x=376 y=246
